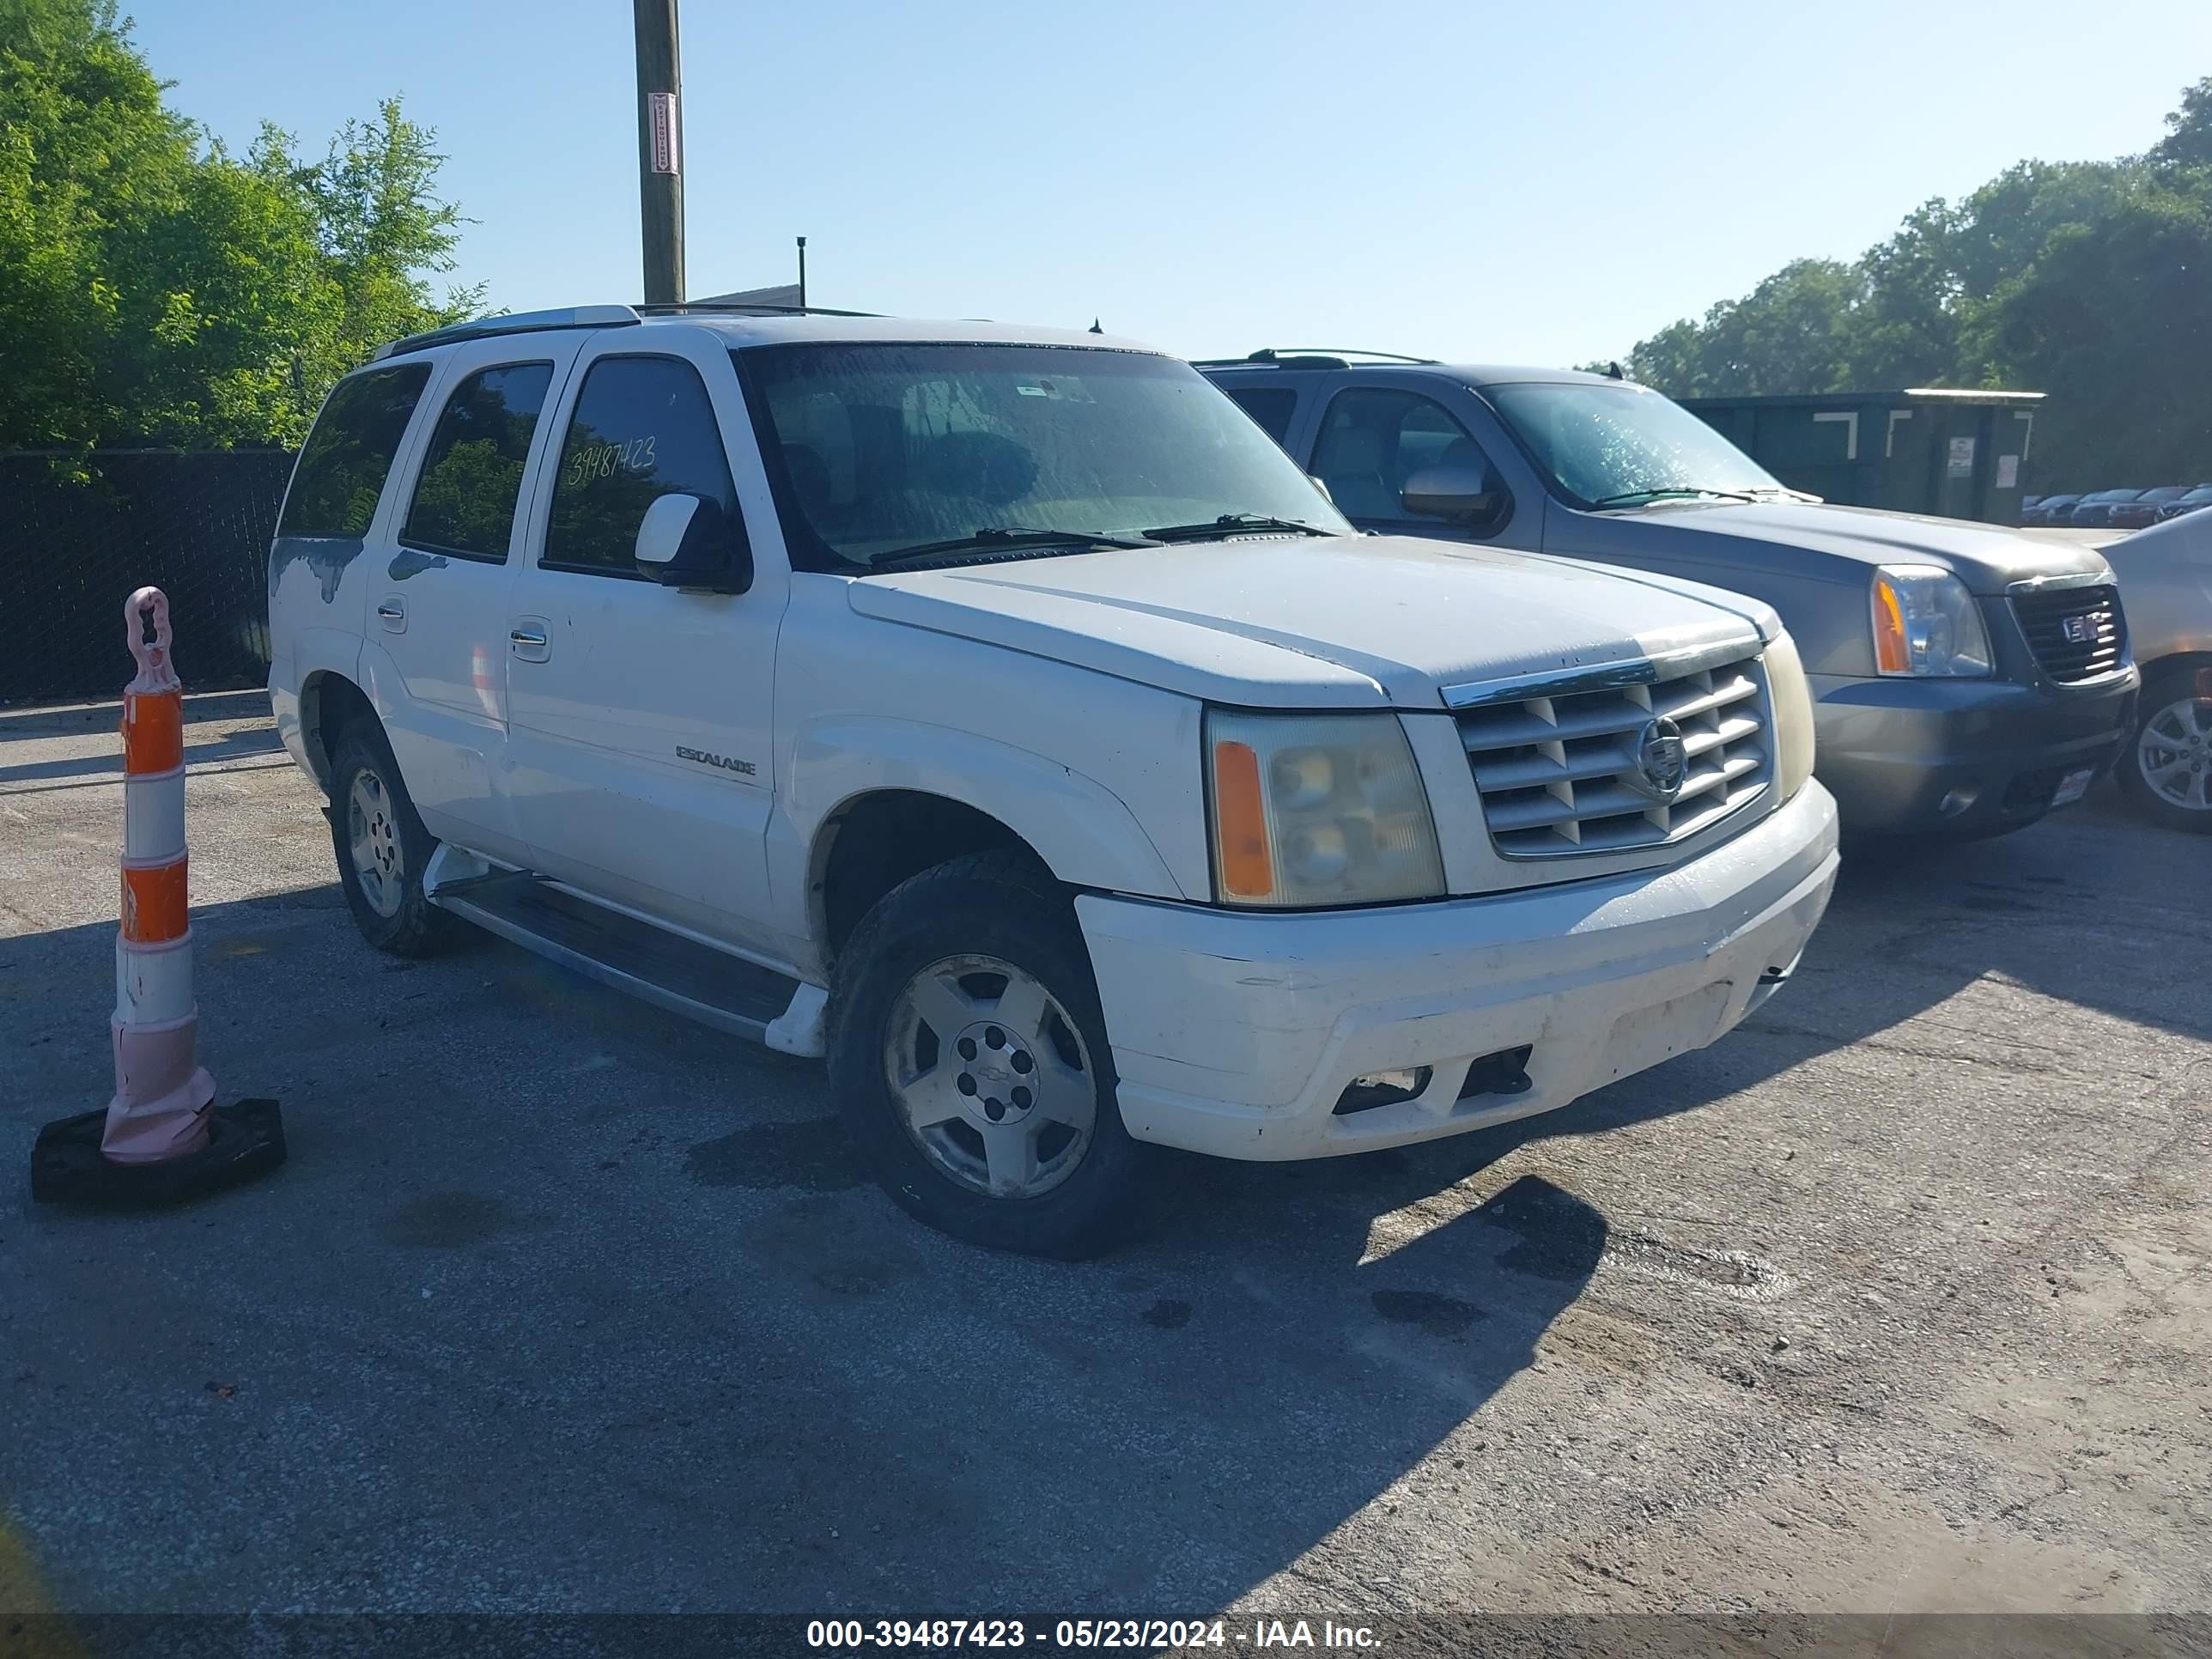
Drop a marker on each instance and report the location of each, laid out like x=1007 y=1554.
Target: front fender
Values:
x=1086 y=834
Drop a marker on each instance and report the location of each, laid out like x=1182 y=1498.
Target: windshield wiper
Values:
x=1001 y=535
x=1636 y=497
x=1231 y=524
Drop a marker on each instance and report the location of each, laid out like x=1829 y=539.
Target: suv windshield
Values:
x=1619 y=445
x=1006 y=452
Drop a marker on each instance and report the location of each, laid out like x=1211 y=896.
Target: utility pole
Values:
x=802 y=273
x=660 y=151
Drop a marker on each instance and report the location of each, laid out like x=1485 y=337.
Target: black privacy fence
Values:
x=78 y=533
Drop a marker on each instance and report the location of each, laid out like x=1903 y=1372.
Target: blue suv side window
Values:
x=1372 y=440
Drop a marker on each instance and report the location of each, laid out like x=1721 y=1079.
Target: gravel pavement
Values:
x=1896 y=1299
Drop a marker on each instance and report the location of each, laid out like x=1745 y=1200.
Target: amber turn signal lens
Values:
x=1240 y=823
x=1891 y=654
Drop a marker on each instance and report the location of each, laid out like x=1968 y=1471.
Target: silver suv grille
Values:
x=1563 y=773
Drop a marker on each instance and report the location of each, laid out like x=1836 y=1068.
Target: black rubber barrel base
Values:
x=244 y=1140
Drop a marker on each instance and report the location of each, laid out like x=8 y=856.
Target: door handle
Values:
x=392 y=613
x=529 y=642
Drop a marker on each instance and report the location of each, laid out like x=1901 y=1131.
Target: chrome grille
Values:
x=2076 y=633
x=1560 y=773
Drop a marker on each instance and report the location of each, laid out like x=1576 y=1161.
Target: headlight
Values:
x=1926 y=622
x=1793 y=714
x=1317 y=809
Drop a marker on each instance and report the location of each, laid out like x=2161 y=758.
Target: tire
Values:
x=383 y=876
x=987 y=947
x=2172 y=734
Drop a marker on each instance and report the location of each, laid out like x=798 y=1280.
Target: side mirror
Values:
x=1458 y=493
x=687 y=542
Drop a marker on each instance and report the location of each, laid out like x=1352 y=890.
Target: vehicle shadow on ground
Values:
x=561 y=1296
x=2091 y=908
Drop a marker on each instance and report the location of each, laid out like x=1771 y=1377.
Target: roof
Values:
x=747 y=325
x=1325 y=362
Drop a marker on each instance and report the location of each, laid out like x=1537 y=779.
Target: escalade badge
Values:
x=723 y=762
x=1662 y=764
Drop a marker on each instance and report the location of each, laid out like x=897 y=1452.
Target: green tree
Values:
x=2090 y=281
x=2188 y=141
x=156 y=289
x=2113 y=318
x=1786 y=335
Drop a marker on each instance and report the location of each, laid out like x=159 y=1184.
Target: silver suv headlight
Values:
x=1793 y=714
x=1925 y=622
x=1317 y=809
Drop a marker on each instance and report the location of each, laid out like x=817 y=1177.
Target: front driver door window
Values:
x=1373 y=440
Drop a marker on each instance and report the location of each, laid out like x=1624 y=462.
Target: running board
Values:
x=664 y=968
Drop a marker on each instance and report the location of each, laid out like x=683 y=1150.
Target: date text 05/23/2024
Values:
x=1125 y=1634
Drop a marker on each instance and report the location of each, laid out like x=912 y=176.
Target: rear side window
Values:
x=471 y=474
x=1271 y=406
x=348 y=454
x=642 y=430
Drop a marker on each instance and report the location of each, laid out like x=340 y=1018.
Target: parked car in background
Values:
x=2166 y=574
x=997 y=713
x=2047 y=509
x=2197 y=499
x=1968 y=679
x=2094 y=511
x=2145 y=508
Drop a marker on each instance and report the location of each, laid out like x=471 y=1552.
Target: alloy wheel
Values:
x=2174 y=753
x=379 y=861
x=990 y=1077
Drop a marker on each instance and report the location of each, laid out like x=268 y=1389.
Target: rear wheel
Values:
x=2165 y=772
x=382 y=848
x=970 y=1057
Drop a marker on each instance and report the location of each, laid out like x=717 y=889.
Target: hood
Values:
x=1344 y=623
x=1986 y=558
x=2186 y=540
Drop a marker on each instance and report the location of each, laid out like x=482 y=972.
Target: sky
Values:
x=1524 y=183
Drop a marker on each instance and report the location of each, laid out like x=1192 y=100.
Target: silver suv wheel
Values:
x=372 y=837
x=990 y=1077
x=2174 y=753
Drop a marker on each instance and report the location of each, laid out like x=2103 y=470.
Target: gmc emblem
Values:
x=2079 y=631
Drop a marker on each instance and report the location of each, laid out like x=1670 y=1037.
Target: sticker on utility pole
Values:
x=667 y=140
x=1962 y=458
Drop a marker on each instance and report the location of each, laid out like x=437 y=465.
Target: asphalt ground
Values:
x=1894 y=1300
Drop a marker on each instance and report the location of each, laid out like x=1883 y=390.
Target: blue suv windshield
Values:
x=882 y=451
x=1619 y=445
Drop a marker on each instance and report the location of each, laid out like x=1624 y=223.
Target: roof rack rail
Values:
x=1312 y=357
x=744 y=307
x=520 y=322
x=515 y=322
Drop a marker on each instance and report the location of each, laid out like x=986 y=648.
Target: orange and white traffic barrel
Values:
x=162 y=1093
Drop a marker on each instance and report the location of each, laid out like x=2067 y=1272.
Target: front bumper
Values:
x=1908 y=756
x=1237 y=1034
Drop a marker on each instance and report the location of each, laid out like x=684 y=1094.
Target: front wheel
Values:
x=969 y=1058
x=2166 y=771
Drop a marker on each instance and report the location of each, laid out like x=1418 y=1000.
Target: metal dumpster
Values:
x=1926 y=449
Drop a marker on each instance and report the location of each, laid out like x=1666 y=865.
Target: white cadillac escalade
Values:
x=1000 y=713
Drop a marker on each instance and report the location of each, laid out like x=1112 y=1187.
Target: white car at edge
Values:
x=1000 y=713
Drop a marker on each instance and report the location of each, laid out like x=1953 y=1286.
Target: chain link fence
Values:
x=195 y=525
